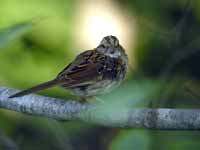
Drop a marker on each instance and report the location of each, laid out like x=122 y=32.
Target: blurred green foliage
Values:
x=37 y=41
x=130 y=139
x=8 y=35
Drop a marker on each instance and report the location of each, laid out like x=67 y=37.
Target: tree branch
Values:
x=161 y=119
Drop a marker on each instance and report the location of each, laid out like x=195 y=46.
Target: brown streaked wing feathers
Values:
x=77 y=62
x=81 y=71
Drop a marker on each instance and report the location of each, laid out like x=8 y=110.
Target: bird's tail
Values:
x=36 y=88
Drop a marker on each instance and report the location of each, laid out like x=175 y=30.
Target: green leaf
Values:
x=131 y=140
x=9 y=34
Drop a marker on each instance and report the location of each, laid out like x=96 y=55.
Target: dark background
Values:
x=39 y=37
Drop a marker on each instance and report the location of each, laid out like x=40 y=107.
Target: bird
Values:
x=93 y=72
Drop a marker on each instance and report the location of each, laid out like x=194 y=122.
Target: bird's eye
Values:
x=103 y=46
x=112 y=52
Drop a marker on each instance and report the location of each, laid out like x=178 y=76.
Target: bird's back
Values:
x=93 y=73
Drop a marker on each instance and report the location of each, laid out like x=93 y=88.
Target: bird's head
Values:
x=110 y=41
x=110 y=46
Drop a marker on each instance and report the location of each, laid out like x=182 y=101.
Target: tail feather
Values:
x=36 y=88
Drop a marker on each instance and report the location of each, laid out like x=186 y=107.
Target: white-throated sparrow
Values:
x=93 y=72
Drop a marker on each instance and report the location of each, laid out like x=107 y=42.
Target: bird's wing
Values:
x=83 y=70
